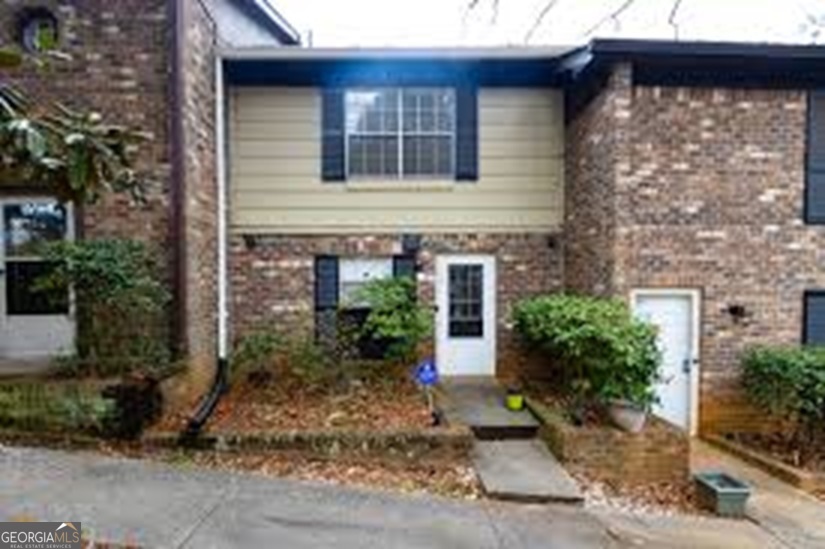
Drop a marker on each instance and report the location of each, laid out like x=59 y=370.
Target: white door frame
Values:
x=695 y=296
x=488 y=261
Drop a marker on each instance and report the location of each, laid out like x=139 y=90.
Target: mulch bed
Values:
x=453 y=478
x=784 y=450
x=377 y=406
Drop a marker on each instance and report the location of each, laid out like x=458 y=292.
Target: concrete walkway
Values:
x=162 y=506
x=792 y=517
x=525 y=471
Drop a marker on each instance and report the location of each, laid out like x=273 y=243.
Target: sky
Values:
x=447 y=22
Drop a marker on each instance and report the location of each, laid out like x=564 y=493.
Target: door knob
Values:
x=686 y=365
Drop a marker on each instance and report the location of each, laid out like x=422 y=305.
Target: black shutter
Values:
x=815 y=169
x=326 y=299
x=814 y=330
x=403 y=265
x=466 y=159
x=333 y=161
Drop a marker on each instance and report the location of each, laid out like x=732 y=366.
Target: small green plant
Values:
x=121 y=307
x=789 y=383
x=313 y=364
x=254 y=356
x=70 y=408
x=605 y=353
x=396 y=317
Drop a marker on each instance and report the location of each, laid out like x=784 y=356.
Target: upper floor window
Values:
x=400 y=132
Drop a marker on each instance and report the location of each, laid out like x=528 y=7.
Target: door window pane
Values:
x=28 y=225
x=22 y=295
x=466 y=301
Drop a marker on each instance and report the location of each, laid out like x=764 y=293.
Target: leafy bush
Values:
x=69 y=408
x=254 y=357
x=788 y=382
x=606 y=353
x=396 y=317
x=121 y=307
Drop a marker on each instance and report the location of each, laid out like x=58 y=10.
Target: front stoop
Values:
x=479 y=404
x=524 y=471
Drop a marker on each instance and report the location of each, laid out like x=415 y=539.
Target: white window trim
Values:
x=400 y=134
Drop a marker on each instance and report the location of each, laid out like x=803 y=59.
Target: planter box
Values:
x=722 y=494
x=660 y=453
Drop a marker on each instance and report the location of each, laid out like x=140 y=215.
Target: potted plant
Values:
x=514 y=399
x=628 y=390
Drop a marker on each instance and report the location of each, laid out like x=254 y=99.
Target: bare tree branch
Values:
x=613 y=16
x=540 y=19
x=671 y=20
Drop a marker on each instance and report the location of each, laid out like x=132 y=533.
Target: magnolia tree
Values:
x=72 y=154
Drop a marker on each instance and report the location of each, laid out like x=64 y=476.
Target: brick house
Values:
x=149 y=64
x=682 y=177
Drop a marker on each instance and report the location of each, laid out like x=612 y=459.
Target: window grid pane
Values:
x=466 y=301
x=401 y=132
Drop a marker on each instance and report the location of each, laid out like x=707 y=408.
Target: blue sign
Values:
x=426 y=373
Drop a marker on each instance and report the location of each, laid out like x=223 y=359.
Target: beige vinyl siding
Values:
x=275 y=179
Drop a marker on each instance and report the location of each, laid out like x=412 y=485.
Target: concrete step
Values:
x=479 y=404
x=523 y=471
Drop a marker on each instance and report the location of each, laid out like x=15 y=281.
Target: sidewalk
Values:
x=791 y=516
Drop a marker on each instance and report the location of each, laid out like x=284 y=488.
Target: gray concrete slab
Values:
x=523 y=470
x=159 y=505
x=479 y=403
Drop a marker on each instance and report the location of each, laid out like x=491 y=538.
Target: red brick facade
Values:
x=272 y=277
x=704 y=190
x=121 y=65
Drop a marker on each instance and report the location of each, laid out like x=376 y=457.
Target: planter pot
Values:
x=514 y=402
x=627 y=416
x=722 y=494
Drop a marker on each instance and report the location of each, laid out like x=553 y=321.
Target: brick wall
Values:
x=709 y=195
x=119 y=61
x=272 y=278
x=121 y=65
x=593 y=146
x=200 y=218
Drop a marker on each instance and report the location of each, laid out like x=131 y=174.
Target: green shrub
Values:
x=789 y=383
x=605 y=352
x=121 y=307
x=313 y=364
x=396 y=317
x=70 y=408
x=255 y=355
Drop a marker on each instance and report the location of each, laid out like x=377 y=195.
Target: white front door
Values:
x=34 y=325
x=675 y=314
x=466 y=318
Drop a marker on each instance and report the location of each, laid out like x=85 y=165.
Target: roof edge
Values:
x=504 y=53
x=265 y=13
